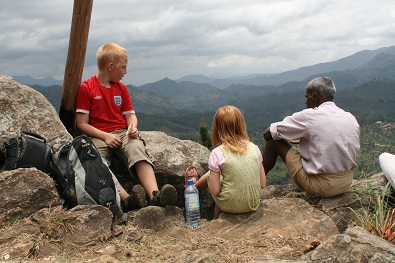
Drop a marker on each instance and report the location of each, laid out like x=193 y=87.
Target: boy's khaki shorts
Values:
x=322 y=185
x=131 y=151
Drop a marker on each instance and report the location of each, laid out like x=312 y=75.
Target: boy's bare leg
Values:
x=146 y=176
x=124 y=194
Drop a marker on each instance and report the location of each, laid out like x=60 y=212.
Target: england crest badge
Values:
x=118 y=100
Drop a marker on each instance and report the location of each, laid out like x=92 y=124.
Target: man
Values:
x=104 y=111
x=329 y=142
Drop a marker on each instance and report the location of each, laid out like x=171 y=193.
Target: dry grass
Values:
x=379 y=220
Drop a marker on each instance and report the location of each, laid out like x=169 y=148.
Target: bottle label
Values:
x=192 y=201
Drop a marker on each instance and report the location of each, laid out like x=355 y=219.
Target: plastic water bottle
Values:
x=192 y=205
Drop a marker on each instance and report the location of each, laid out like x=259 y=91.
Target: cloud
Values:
x=174 y=38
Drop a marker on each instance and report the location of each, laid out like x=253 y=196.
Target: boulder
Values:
x=23 y=108
x=355 y=245
x=24 y=191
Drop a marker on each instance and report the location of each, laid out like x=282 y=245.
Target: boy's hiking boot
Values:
x=166 y=196
x=137 y=199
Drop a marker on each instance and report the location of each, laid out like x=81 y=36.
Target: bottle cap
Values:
x=190 y=182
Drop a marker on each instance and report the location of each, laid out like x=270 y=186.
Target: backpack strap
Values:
x=34 y=136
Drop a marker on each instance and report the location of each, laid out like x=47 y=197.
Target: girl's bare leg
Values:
x=217 y=212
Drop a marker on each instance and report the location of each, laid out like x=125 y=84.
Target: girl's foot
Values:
x=191 y=174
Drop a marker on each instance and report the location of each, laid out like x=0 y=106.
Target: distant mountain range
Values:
x=352 y=62
x=199 y=96
x=30 y=81
x=348 y=63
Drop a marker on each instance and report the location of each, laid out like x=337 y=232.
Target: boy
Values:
x=104 y=111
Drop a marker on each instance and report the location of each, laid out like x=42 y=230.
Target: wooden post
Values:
x=75 y=61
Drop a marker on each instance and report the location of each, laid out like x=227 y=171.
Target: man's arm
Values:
x=267 y=134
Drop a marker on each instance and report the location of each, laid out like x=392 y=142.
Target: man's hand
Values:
x=267 y=135
x=113 y=140
x=295 y=141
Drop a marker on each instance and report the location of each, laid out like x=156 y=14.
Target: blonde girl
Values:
x=236 y=172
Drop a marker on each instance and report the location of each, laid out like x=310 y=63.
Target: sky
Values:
x=175 y=38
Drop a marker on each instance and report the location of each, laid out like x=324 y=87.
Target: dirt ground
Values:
x=174 y=244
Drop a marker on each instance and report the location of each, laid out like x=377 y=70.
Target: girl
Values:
x=236 y=172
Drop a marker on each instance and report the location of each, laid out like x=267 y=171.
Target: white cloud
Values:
x=231 y=60
x=174 y=38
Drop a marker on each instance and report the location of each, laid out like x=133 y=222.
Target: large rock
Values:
x=24 y=191
x=158 y=218
x=79 y=227
x=23 y=108
x=287 y=225
x=356 y=245
x=171 y=157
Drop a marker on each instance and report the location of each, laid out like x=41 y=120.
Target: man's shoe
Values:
x=166 y=196
x=137 y=199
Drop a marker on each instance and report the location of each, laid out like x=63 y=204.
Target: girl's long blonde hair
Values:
x=229 y=129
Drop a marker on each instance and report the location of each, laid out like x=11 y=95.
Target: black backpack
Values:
x=82 y=177
x=27 y=150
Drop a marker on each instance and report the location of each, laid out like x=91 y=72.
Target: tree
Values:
x=204 y=135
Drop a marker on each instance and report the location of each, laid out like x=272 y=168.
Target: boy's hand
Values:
x=113 y=140
x=133 y=133
x=130 y=128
